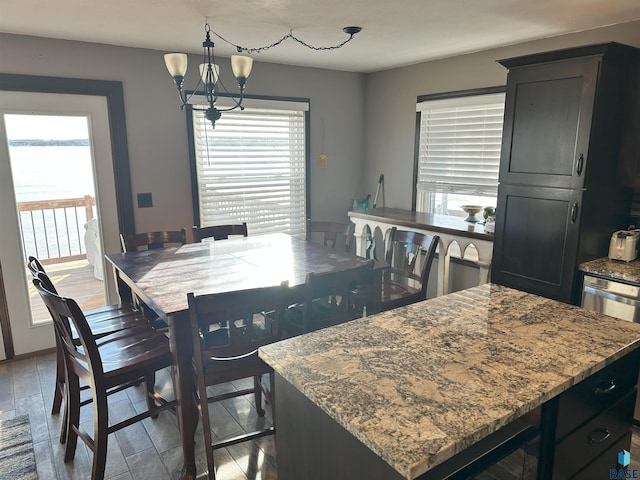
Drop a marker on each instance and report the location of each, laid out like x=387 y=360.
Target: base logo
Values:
x=624 y=459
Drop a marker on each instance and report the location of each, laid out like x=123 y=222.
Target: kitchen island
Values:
x=402 y=393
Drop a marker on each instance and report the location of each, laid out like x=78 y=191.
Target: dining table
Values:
x=162 y=278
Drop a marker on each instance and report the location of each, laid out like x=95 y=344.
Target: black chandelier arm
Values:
x=186 y=98
x=204 y=108
x=351 y=31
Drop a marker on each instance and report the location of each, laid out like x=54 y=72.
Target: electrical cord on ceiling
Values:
x=351 y=31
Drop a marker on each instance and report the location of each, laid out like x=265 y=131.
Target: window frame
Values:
x=192 y=150
x=441 y=96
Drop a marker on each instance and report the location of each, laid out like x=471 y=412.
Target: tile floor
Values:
x=147 y=450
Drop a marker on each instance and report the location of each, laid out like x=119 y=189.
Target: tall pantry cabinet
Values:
x=560 y=196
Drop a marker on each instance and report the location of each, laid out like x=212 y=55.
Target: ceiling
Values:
x=395 y=32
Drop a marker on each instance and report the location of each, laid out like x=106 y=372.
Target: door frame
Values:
x=113 y=92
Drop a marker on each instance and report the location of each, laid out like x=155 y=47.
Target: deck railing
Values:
x=53 y=230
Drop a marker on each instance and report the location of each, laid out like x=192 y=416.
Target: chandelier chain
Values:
x=241 y=65
x=290 y=35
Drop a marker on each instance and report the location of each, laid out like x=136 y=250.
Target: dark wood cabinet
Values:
x=593 y=423
x=548 y=113
x=560 y=197
x=605 y=462
x=532 y=217
x=629 y=165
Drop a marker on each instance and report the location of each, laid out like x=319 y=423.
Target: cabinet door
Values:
x=548 y=115
x=601 y=467
x=629 y=164
x=593 y=439
x=536 y=238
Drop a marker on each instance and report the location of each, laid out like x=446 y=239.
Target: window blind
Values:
x=459 y=145
x=252 y=168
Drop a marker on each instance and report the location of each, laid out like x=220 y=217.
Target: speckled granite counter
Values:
x=616 y=270
x=417 y=385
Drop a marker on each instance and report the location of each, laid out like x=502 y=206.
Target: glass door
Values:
x=51 y=164
x=57 y=195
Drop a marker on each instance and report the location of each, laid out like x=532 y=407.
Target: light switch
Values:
x=145 y=200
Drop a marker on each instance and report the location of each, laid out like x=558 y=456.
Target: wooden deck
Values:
x=72 y=279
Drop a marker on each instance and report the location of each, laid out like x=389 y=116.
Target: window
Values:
x=458 y=155
x=253 y=167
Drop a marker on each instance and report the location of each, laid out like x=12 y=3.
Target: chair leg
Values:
x=257 y=392
x=64 y=426
x=272 y=396
x=59 y=387
x=206 y=427
x=150 y=383
x=100 y=434
x=73 y=416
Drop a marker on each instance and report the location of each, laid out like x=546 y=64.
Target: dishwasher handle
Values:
x=599 y=292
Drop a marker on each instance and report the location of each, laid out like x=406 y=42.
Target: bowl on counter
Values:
x=472 y=211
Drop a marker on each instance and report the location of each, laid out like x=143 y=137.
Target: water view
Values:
x=51 y=172
x=50 y=160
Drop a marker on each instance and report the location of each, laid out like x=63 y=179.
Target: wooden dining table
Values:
x=161 y=279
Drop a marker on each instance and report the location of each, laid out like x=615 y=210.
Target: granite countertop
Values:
x=419 y=384
x=614 y=269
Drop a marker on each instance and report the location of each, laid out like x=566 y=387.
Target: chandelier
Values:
x=240 y=65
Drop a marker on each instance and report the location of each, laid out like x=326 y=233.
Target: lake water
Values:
x=51 y=172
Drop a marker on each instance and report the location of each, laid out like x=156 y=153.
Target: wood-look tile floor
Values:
x=146 y=450
x=149 y=449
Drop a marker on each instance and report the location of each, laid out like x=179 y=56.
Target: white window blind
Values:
x=252 y=168
x=459 y=145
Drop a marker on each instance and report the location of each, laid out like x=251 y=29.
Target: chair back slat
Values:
x=34 y=266
x=66 y=313
x=328 y=233
x=232 y=325
x=152 y=240
x=409 y=256
x=336 y=293
x=219 y=232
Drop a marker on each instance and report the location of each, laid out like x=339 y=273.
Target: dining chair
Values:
x=108 y=365
x=219 y=232
x=328 y=233
x=409 y=256
x=330 y=298
x=228 y=350
x=150 y=240
x=102 y=321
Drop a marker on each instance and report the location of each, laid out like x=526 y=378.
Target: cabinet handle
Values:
x=603 y=434
x=580 y=164
x=608 y=389
x=574 y=212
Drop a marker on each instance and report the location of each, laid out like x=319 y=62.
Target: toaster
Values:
x=624 y=245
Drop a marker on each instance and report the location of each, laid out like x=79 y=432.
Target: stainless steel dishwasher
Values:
x=612 y=298
x=616 y=299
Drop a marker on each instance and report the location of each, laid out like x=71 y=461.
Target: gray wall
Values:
x=157 y=132
x=369 y=120
x=390 y=119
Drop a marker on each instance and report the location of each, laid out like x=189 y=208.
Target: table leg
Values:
x=182 y=351
x=124 y=290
